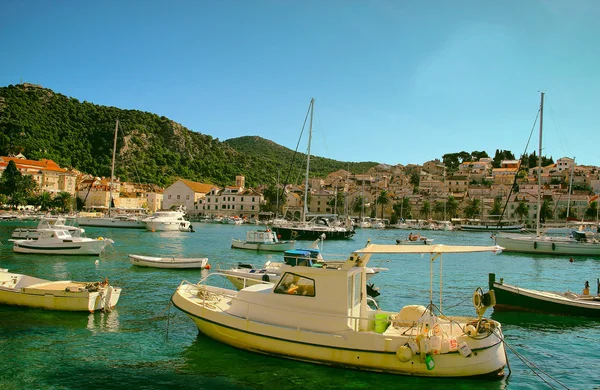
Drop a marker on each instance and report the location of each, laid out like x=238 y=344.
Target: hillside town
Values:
x=390 y=193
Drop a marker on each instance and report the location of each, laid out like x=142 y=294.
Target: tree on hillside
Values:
x=358 y=205
x=522 y=210
x=473 y=207
x=451 y=207
x=383 y=200
x=501 y=155
x=496 y=209
x=403 y=208
x=592 y=210
x=546 y=210
x=63 y=200
x=425 y=209
x=15 y=186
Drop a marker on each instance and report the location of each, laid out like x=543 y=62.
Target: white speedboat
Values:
x=169 y=262
x=415 y=239
x=24 y=290
x=60 y=242
x=168 y=221
x=118 y=221
x=263 y=240
x=322 y=315
x=47 y=223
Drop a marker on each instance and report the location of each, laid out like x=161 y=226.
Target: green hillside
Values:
x=41 y=124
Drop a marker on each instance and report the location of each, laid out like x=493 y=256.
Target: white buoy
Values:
x=97 y=262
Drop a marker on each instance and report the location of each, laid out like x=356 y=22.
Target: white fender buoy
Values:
x=404 y=354
x=97 y=262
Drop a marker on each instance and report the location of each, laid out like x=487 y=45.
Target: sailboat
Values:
x=577 y=244
x=118 y=221
x=318 y=225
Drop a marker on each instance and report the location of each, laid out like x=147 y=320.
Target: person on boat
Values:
x=586 y=288
x=410 y=237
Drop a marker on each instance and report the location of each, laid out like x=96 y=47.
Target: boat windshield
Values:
x=293 y=284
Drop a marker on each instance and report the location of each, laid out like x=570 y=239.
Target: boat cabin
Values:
x=304 y=296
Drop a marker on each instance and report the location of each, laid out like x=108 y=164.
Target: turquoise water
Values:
x=146 y=344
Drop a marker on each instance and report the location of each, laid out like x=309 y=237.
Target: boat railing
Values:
x=217 y=293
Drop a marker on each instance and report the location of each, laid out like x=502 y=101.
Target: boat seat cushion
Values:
x=410 y=313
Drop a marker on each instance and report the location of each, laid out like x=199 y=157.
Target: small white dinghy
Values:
x=170 y=262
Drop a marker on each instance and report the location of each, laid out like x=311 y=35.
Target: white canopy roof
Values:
x=439 y=248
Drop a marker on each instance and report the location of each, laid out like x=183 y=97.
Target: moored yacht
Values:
x=167 y=220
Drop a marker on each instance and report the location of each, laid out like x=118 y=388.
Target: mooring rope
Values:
x=531 y=365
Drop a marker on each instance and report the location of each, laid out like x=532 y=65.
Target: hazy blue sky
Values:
x=396 y=82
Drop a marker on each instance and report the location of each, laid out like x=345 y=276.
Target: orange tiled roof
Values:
x=43 y=164
x=198 y=187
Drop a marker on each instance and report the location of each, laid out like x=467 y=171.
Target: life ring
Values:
x=265 y=278
x=535 y=245
x=553 y=246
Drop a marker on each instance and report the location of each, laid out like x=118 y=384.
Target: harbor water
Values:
x=145 y=343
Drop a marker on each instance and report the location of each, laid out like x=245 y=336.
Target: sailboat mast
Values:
x=539 y=192
x=570 y=186
x=112 y=170
x=312 y=107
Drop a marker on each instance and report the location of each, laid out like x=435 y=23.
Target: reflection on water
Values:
x=104 y=321
x=60 y=270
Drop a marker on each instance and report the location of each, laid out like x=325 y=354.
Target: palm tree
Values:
x=496 y=209
x=438 y=207
x=546 y=210
x=452 y=207
x=383 y=200
x=426 y=209
x=44 y=201
x=358 y=205
x=63 y=200
x=473 y=206
x=522 y=210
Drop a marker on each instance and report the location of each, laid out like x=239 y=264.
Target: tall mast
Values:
x=112 y=170
x=570 y=186
x=539 y=194
x=277 y=188
x=312 y=107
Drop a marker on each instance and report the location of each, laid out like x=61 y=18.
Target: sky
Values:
x=395 y=82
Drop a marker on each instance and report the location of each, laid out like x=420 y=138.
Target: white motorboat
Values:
x=168 y=221
x=47 y=223
x=170 y=262
x=322 y=315
x=415 y=239
x=24 y=290
x=61 y=242
x=262 y=240
x=118 y=221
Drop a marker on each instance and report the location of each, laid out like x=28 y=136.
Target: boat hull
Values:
x=91 y=247
x=111 y=223
x=289 y=233
x=263 y=246
x=547 y=246
x=512 y=298
x=59 y=295
x=490 y=228
x=346 y=348
x=168 y=262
